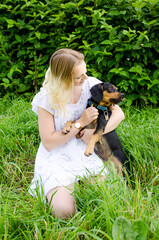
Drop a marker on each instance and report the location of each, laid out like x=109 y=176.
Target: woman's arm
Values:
x=51 y=138
x=116 y=117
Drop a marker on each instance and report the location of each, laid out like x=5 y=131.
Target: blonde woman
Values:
x=60 y=160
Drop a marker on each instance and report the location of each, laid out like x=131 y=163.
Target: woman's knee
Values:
x=62 y=202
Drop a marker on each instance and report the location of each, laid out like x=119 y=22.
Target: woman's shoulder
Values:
x=41 y=99
x=39 y=96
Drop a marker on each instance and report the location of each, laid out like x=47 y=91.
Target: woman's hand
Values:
x=88 y=116
x=85 y=134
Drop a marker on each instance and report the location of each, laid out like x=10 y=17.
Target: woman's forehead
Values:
x=80 y=69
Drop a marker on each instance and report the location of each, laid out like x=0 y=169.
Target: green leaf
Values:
x=125 y=32
x=11 y=22
x=152 y=22
x=21 y=53
x=80 y=3
x=40 y=75
x=69 y=5
x=18 y=38
x=156 y=74
x=123 y=12
x=113 y=13
x=99 y=59
x=44 y=35
x=5 y=80
x=138 y=230
x=153 y=99
x=5 y=6
x=118 y=56
x=129 y=102
x=111 y=63
x=18 y=70
x=154 y=82
x=9 y=75
x=143 y=34
x=38 y=34
x=22 y=88
x=124 y=73
x=107 y=42
x=136 y=69
x=30 y=72
x=120 y=228
x=124 y=230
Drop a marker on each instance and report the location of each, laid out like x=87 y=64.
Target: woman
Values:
x=60 y=159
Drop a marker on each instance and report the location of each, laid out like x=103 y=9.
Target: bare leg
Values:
x=62 y=202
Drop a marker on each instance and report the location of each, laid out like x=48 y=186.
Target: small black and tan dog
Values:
x=107 y=146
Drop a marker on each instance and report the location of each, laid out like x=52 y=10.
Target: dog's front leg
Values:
x=95 y=137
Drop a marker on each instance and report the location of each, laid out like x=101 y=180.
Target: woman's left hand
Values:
x=85 y=135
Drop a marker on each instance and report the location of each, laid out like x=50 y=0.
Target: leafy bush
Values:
x=119 y=39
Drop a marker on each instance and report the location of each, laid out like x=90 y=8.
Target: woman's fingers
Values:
x=94 y=114
x=85 y=135
x=89 y=115
x=93 y=111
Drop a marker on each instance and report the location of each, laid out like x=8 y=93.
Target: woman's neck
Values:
x=76 y=94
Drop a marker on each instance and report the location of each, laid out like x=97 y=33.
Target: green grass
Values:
x=98 y=205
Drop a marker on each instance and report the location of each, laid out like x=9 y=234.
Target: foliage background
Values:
x=118 y=37
x=120 y=41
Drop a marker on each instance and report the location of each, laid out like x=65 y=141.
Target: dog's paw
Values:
x=66 y=130
x=89 y=150
x=78 y=135
x=67 y=127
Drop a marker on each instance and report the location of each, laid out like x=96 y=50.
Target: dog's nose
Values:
x=122 y=95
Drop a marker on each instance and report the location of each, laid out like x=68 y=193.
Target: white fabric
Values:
x=63 y=165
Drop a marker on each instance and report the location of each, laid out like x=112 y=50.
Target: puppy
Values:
x=107 y=146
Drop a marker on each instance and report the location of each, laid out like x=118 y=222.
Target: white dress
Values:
x=66 y=164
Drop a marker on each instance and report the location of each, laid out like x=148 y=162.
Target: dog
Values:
x=107 y=146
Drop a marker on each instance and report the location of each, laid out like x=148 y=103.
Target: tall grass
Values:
x=99 y=204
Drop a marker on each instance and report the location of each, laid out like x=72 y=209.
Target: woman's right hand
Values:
x=88 y=116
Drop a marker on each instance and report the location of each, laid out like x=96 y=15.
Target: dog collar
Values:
x=90 y=103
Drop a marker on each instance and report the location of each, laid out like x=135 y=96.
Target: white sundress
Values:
x=65 y=164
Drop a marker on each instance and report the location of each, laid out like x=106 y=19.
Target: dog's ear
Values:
x=97 y=92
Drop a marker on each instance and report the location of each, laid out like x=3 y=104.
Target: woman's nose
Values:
x=85 y=76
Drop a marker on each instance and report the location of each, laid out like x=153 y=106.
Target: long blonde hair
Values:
x=58 y=78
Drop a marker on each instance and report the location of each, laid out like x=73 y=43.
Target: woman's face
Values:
x=79 y=74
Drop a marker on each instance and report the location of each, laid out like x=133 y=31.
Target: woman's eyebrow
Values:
x=82 y=74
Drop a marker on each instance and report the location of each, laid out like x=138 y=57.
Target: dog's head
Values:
x=106 y=94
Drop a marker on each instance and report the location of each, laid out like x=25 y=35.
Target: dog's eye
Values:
x=110 y=89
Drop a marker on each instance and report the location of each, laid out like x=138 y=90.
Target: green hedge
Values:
x=118 y=37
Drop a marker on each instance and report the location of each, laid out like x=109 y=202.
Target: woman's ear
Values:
x=97 y=92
